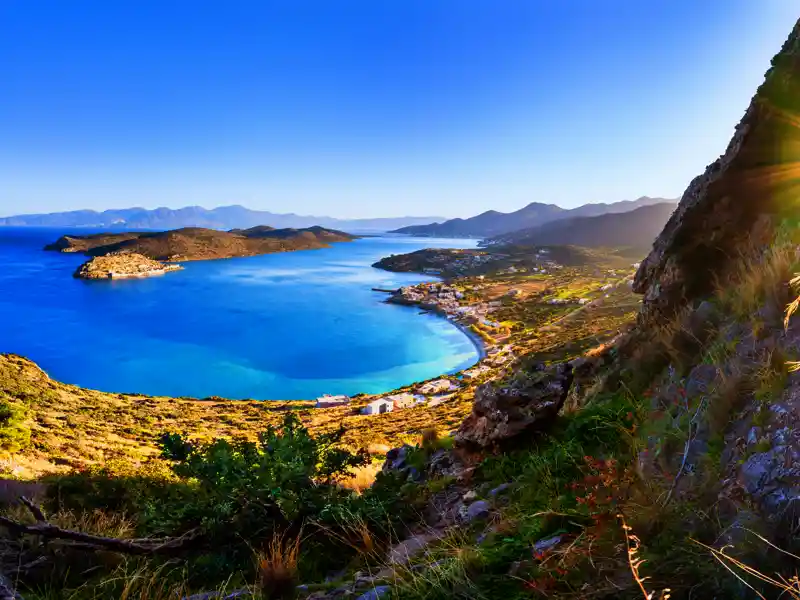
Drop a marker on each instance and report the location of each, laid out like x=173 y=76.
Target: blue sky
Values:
x=371 y=108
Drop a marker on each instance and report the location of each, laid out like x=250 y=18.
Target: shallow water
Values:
x=280 y=326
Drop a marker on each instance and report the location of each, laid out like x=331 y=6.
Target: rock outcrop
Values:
x=122 y=265
x=731 y=206
x=500 y=414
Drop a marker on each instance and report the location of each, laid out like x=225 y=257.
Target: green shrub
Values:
x=14 y=433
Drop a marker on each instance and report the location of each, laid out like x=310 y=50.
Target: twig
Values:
x=35 y=510
x=634 y=562
x=85 y=541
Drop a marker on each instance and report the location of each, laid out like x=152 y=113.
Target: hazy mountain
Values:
x=223 y=217
x=493 y=223
x=633 y=229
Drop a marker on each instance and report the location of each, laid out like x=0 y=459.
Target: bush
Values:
x=14 y=434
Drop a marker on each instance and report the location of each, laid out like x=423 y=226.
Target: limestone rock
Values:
x=500 y=414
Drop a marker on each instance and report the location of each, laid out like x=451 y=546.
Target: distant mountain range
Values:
x=493 y=223
x=223 y=217
x=633 y=229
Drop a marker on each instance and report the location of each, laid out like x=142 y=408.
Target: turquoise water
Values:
x=281 y=326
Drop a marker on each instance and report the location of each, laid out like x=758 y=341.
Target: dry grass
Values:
x=788 y=587
x=756 y=280
x=361 y=478
x=277 y=567
x=635 y=563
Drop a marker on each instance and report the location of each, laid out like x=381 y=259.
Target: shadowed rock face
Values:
x=500 y=414
x=734 y=203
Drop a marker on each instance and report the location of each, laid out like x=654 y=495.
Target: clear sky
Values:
x=373 y=107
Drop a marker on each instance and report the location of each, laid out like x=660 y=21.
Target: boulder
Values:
x=500 y=413
x=731 y=206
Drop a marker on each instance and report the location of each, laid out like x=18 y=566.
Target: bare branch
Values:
x=90 y=542
x=35 y=510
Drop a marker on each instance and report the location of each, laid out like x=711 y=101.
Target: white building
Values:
x=476 y=372
x=437 y=386
x=328 y=401
x=399 y=401
x=378 y=407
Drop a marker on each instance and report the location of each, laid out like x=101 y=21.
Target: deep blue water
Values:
x=280 y=326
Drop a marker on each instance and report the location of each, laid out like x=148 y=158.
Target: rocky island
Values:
x=123 y=265
x=197 y=243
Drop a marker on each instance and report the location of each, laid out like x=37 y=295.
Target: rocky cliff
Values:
x=733 y=205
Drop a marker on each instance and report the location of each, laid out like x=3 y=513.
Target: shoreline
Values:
x=476 y=340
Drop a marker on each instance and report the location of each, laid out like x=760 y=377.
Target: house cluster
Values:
x=467 y=262
x=440 y=389
x=433 y=296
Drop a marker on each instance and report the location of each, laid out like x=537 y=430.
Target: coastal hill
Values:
x=492 y=222
x=635 y=229
x=223 y=217
x=195 y=243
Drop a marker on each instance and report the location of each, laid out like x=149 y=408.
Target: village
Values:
x=485 y=304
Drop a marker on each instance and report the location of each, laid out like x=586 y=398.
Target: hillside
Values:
x=635 y=229
x=196 y=243
x=493 y=223
x=223 y=217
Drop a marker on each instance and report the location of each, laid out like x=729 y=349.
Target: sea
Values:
x=285 y=326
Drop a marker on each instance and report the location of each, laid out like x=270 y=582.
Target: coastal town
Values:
x=513 y=304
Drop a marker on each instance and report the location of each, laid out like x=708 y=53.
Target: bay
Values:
x=280 y=326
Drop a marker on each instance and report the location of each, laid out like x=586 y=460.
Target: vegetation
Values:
x=621 y=497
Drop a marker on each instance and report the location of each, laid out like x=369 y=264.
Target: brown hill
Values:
x=635 y=229
x=195 y=243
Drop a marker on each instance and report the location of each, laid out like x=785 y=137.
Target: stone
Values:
x=477 y=510
x=402 y=553
x=700 y=380
x=547 y=544
x=377 y=592
x=500 y=414
x=500 y=489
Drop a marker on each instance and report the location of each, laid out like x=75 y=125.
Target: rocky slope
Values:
x=201 y=244
x=733 y=205
x=121 y=265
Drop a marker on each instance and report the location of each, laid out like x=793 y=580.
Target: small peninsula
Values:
x=123 y=265
x=196 y=243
